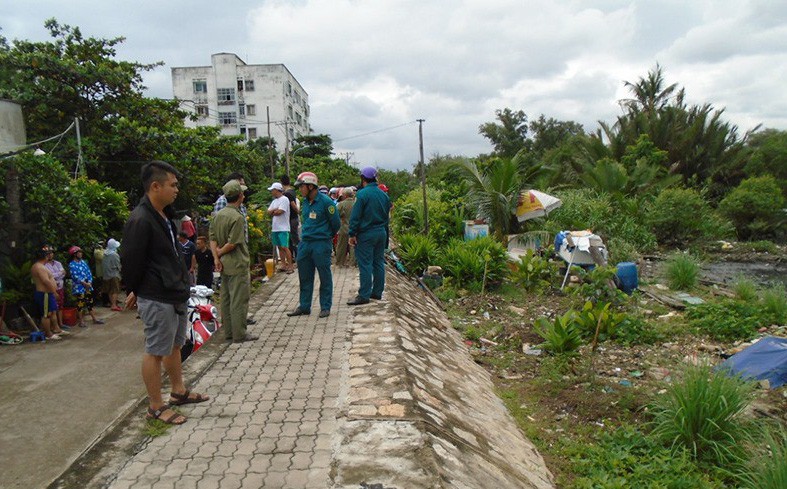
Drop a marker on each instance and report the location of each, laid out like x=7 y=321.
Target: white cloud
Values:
x=369 y=65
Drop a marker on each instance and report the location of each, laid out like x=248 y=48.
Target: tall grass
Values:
x=774 y=304
x=417 y=252
x=768 y=467
x=682 y=272
x=745 y=289
x=703 y=414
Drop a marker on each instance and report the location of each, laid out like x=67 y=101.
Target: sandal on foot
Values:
x=98 y=321
x=186 y=398
x=171 y=419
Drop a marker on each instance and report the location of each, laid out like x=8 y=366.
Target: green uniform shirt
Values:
x=319 y=219
x=345 y=211
x=370 y=212
x=229 y=226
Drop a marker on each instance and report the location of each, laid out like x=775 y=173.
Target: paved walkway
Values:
x=271 y=420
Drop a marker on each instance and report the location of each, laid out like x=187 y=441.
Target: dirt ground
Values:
x=557 y=398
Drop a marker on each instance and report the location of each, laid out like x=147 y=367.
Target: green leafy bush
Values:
x=634 y=330
x=755 y=208
x=682 y=271
x=767 y=468
x=561 y=335
x=598 y=285
x=607 y=217
x=680 y=216
x=469 y=263
x=446 y=219
x=774 y=304
x=627 y=458
x=599 y=316
x=535 y=273
x=703 y=414
x=745 y=289
x=764 y=246
x=726 y=320
x=417 y=252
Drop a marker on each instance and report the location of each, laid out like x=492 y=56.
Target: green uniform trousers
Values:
x=235 y=290
x=370 y=255
x=315 y=255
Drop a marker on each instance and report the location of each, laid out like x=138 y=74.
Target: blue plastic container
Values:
x=627 y=273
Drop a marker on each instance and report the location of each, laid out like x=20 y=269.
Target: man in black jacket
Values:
x=158 y=284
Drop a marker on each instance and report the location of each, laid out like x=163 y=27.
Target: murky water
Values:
x=762 y=273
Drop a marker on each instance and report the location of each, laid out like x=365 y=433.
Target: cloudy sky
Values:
x=372 y=67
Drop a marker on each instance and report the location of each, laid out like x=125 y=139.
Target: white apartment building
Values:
x=238 y=97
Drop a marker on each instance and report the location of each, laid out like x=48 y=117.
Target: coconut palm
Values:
x=494 y=192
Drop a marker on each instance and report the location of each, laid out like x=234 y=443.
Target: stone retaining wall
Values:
x=418 y=412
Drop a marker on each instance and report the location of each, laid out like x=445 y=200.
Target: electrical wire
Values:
x=375 y=131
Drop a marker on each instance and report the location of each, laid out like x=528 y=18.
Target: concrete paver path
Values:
x=272 y=414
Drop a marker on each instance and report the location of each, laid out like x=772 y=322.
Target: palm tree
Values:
x=494 y=193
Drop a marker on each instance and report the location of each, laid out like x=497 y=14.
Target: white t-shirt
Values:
x=282 y=221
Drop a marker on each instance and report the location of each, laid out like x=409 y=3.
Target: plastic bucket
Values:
x=269 y=267
x=70 y=316
x=627 y=273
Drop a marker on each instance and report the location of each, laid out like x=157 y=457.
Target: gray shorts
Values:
x=164 y=327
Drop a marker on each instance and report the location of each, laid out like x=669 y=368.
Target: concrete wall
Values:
x=419 y=412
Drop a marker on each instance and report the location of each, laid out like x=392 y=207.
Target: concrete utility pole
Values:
x=423 y=173
x=287 y=148
x=270 y=152
x=79 y=149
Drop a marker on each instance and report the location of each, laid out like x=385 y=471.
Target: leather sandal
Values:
x=156 y=414
x=181 y=399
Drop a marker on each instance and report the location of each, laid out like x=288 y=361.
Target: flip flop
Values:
x=98 y=321
x=156 y=414
x=181 y=399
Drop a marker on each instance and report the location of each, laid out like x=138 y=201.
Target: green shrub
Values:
x=634 y=330
x=764 y=246
x=534 y=273
x=561 y=335
x=703 y=414
x=627 y=458
x=472 y=333
x=621 y=250
x=745 y=289
x=469 y=263
x=682 y=271
x=417 y=252
x=607 y=217
x=598 y=285
x=767 y=468
x=774 y=304
x=446 y=219
x=755 y=207
x=599 y=316
x=726 y=320
x=679 y=215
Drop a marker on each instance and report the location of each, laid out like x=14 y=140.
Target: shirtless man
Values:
x=44 y=295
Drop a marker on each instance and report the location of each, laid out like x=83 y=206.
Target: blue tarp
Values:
x=764 y=360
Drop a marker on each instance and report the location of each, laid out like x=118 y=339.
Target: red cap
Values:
x=383 y=187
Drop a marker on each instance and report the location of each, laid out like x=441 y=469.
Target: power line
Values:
x=375 y=132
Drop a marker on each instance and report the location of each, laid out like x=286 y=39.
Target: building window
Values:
x=248 y=85
x=226 y=96
x=242 y=130
x=242 y=110
x=306 y=110
x=228 y=118
x=298 y=118
x=200 y=86
x=202 y=110
x=251 y=109
x=289 y=110
x=240 y=85
x=252 y=133
x=287 y=88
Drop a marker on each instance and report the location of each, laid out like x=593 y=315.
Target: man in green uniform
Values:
x=369 y=234
x=319 y=223
x=231 y=258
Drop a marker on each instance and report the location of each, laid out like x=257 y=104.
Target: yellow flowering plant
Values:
x=259 y=232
